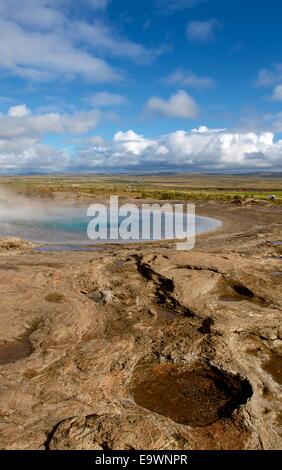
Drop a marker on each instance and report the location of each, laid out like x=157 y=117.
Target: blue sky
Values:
x=117 y=85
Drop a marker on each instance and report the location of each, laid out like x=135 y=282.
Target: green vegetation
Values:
x=220 y=196
x=180 y=187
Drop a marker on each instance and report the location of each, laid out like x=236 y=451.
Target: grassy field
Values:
x=191 y=187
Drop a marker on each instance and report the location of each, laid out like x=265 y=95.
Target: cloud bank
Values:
x=22 y=147
x=202 y=148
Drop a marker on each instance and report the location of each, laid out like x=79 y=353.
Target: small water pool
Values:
x=68 y=225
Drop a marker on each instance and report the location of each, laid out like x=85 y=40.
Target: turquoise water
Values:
x=69 y=225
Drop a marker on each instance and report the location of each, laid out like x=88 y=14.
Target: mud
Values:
x=194 y=398
x=55 y=297
x=15 y=351
x=165 y=313
x=274 y=367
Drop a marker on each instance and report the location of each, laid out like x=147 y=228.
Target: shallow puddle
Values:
x=19 y=349
x=193 y=398
x=56 y=248
x=164 y=313
x=274 y=367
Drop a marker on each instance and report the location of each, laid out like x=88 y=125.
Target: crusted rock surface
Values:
x=143 y=346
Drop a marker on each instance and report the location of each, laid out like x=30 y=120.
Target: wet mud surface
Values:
x=194 y=398
x=274 y=367
x=15 y=351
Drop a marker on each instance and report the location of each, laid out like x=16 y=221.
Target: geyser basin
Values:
x=68 y=225
x=195 y=398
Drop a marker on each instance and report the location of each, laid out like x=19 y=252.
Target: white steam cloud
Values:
x=15 y=207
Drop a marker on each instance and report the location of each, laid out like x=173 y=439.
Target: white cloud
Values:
x=206 y=130
x=19 y=122
x=203 y=31
x=270 y=77
x=22 y=134
x=26 y=153
x=180 y=105
x=189 y=79
x=103 y=38
x=45 y=14
x=104 y=99
x=20 y=110
x=41 y=55
x=277 y=93
x=42 y=40
x=127 y=136
x=96 y=141
x=132 y=143
x=200 y=149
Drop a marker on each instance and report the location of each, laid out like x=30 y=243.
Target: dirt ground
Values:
x=145 y=347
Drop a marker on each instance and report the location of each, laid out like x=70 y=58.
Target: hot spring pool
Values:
x=68 y=225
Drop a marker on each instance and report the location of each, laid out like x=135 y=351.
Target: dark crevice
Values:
x=164 y=290
x=51 y=434
x=243 y=290
x=198 y=268
x=105 y=445
x=205 y=328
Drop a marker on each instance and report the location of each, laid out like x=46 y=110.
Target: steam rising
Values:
x=18 y=208
x=37 y=220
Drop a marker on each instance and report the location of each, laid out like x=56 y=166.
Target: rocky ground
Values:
x=143 y=346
